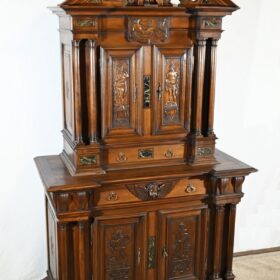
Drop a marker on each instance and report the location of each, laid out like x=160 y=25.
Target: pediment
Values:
x=185 y=3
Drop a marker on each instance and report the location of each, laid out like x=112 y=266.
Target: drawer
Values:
x=145 y=154
x=149 y=191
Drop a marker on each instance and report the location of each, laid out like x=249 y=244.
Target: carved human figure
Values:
x=121 y=86
x=172 y=78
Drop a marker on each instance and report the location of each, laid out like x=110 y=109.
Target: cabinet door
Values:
x=121 y=92
x=171 y=90
x=119 y=246
x=182 y=244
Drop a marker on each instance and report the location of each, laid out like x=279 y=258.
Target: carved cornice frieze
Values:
x=148 y=30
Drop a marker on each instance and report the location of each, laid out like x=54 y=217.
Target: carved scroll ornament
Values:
x=147 y=30
x=151 y=191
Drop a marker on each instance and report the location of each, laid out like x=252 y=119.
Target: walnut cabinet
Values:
x=139 y=191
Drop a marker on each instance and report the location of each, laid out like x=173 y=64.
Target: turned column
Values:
x=77 y=91
x=214 y=44
x=91 y=90
x=200 y=52
x=63 y=253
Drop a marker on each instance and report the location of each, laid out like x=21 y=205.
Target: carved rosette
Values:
x=147 y=30
x=151 y=191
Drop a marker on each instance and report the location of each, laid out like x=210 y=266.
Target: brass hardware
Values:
x=112 y=196
x=121 y=157
x=159 y=91
x=139 y=256
x=135 y=94
x=147 y=91
x=151 y=252
x=204 y=151
x=169 y=154
x=164 y=253
x=88 y=160
x=146 y=153
x=190 y=188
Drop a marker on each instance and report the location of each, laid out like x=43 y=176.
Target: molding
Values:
x=256 y=252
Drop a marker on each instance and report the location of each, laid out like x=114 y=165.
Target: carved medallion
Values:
x=212 y=23
x=117 y=267
x=151 y=191
x=121 y=90
x=148 y=30
x=181 y=259
x=205 y=151
x=171 y=95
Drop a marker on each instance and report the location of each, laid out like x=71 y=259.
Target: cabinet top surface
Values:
x=55 y=176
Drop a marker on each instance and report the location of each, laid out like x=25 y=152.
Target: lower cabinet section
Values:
x=119 y=245
x=123 y=250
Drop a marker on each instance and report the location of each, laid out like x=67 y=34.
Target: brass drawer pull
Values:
x=169 y=154
x=112 y=196
x=121 y=157
x=190 y=188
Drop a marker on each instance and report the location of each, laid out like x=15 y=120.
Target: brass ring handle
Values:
x=121 y=157
x=169 y=154
x=190 y=188
x=112 y=196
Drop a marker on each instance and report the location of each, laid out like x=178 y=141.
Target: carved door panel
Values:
x=120 y=248
x=121 y=92
x=182 y=244
x=171 y=90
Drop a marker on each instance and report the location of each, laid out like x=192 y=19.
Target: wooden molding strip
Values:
x=256 y=252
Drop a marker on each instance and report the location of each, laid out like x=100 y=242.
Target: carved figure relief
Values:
x=181 y=259
x=121 y=90
x=117 y=267
x=148 y=30
x=171 y=97
x=151 y=191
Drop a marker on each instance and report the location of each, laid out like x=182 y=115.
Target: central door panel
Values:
x=121 y=92
x=171 y=90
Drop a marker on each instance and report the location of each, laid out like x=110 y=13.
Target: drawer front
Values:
x=146 y=154
x=148 y=191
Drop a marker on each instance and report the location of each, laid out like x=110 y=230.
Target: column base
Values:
x=229 y=276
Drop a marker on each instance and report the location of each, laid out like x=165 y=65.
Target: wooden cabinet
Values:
x=139 y=191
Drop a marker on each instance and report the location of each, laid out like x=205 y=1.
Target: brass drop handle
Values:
x=139 y=256
x=112 y=196
x=164 y=253
x=190 y=188
x=135 y=94
x=159 y=91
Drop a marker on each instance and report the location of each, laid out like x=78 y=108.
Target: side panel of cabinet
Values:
x=182 y=244
x=68 y=98
x=119 y=248
x=121 y=92
x=171 y=90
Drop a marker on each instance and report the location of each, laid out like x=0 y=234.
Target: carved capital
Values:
x=237 y=184
x=219 y=185
x=71 y=202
